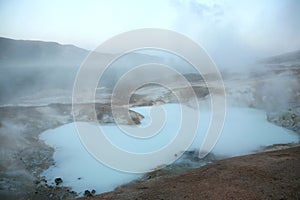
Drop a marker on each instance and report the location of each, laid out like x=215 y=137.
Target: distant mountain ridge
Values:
x=286 y=58
x=30 y=52
x=30 y=67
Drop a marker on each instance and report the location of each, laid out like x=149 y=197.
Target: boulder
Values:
x=58 y=181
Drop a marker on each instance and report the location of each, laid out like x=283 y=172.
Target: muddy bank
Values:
x=269 y=175
x=23 y=156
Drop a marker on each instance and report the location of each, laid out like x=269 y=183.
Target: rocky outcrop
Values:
x=103 y=112
x=153 y=94
x=289 y=119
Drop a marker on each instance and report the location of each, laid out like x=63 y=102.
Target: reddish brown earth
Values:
x=269 y=175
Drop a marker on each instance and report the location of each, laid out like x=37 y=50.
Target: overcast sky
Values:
x=250 y=29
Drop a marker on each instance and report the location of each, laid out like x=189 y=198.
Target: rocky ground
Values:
x=269 y=175
x=289 y=118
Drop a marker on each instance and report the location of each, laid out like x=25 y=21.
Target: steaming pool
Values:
x=245 y=131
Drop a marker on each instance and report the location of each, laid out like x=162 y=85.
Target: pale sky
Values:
x=256 y=27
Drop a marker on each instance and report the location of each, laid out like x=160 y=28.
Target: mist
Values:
x=237 y=33
x=44 y=47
